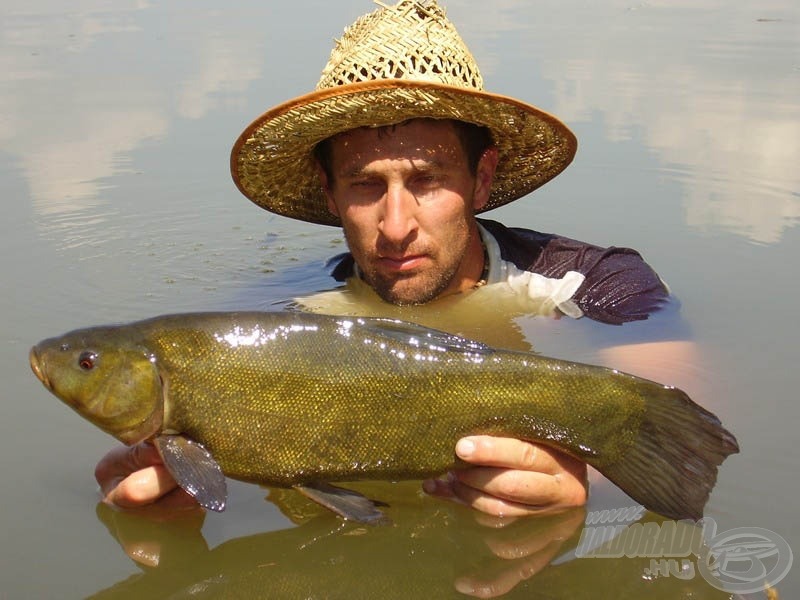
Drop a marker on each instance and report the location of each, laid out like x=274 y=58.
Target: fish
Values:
x=300 y=400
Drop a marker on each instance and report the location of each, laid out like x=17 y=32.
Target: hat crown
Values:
x=411 y=40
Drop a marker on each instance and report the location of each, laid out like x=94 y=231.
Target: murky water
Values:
x=117 y=120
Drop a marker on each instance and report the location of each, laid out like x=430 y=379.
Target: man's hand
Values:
x=134 y=476
x=513 y=478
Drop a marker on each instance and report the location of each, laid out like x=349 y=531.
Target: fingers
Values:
x=135 y=476
x=513 y=478
x=141 y=487
x=121 y=461
x=535 y=490
x=489 y=502
x=510 y=453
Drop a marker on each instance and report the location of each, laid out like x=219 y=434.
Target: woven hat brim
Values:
x=272 y=162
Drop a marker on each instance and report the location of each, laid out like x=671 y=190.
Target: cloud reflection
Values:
x=712 y=88
x=225 y=66
x=79 y=92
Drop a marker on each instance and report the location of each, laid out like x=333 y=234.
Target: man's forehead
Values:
x=419 y=141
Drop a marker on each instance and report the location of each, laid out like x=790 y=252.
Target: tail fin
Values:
x=672 y=466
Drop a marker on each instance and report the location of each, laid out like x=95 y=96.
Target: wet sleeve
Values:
x=619 y=286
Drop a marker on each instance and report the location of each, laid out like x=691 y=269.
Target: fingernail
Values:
x=465 y=448
x=464 y=586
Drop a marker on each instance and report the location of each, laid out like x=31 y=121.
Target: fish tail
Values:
x=671 y=467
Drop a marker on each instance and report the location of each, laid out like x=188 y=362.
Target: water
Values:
x=117 y=123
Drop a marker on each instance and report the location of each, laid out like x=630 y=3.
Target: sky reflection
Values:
x=711 y=88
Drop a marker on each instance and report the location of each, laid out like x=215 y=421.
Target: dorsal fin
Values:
x=432 y=339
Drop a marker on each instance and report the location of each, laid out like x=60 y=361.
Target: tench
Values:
x=300 y=400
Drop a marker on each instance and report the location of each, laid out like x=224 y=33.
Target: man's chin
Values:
x=408 y=291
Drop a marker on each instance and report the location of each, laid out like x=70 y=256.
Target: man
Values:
x=400 y=146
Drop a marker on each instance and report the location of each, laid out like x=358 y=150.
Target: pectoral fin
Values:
x=194 y=469
x=345 y=503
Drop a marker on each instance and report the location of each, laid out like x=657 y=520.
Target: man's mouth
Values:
x=401 y=263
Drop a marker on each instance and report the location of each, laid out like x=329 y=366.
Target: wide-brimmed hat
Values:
x=397 y=63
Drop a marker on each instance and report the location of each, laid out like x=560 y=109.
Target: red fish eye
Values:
x=86 y=360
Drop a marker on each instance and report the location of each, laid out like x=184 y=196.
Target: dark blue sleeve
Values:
x=619 y=287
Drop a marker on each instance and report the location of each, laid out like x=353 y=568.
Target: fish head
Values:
x=106 y=376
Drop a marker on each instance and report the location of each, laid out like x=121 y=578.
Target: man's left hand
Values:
x=513 y=478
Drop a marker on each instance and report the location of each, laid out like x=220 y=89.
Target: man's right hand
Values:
x=135 y=476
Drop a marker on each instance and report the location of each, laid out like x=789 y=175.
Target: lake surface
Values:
x=116 y=122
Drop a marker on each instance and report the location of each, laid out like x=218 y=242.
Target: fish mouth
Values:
x=38 y=368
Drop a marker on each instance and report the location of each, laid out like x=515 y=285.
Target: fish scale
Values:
x=299 y=400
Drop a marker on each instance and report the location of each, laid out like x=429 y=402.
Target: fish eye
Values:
x=87 y=360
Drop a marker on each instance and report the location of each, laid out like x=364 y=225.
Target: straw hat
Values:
x=397 y=63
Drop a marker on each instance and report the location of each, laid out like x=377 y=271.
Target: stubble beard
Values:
x=414 y=289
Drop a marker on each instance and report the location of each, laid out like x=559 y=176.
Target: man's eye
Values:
x=428 y=179
x=364 y=183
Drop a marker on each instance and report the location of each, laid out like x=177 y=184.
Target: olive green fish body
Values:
x=287 y=399
x=279 y=403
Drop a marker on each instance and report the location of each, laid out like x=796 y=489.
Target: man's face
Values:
x=406 y=200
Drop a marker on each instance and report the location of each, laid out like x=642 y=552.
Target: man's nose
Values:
x=398 y=220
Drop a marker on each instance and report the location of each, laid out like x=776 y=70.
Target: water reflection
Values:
x=709 y=87
x=719 y=109
x=81 y=97
x=225 y=67
x=69 y=131
x=439 y=551
x=91 y=90
x=722 y=118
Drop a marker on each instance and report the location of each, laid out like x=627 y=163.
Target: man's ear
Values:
x=484 y=177
x=323 y=180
